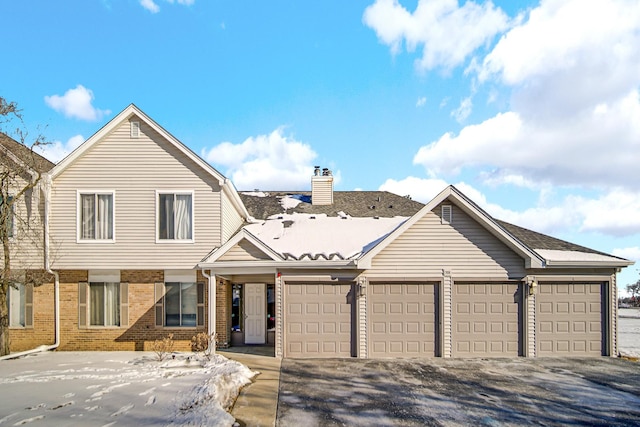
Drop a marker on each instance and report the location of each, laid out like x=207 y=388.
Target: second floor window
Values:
x=96 y=216
x=175 y=216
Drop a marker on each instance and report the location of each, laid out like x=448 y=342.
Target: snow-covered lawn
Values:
x=629 y=332
x=119 y=388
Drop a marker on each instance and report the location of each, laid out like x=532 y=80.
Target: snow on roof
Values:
x=255 y=193
x=552 y=255
x=305 y=236
x=289 y=202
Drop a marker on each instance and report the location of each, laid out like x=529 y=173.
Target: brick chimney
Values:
x=321 y=187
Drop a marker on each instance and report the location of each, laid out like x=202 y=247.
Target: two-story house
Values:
x=146 y=239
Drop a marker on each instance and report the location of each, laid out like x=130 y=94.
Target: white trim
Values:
x=193 y=215
x=243 y=234
x=79 y=239
x=183 y=276
x=105 y=276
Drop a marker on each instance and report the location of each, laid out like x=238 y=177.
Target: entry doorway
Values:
x=253 y=314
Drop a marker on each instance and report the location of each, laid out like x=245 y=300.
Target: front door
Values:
x=255 y=313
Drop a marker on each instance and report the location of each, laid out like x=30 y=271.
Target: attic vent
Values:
x=135 y=129
x=447 y=212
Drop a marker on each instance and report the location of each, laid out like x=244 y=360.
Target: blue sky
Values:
x=531 y=108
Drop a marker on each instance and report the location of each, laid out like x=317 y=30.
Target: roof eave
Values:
x=247 y=266
x=586 y=263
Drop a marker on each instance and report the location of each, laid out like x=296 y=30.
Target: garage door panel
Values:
x=318 y=319
x=402 y=320
x=573 y=326
x=491 y=327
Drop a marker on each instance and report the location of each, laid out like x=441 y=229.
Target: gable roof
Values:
x=24 y=154
x=533 y=260
x=241 y=235
x=226 y=185
x=362 y=204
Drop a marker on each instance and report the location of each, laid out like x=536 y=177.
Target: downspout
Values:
x=211 y=309
x=56 y=283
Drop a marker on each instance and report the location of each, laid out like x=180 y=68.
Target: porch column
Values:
x=211 y=308
x=279 y=350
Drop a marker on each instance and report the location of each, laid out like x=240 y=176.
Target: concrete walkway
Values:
x=257 y=404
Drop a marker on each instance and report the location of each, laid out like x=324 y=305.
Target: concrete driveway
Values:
x=423 y=392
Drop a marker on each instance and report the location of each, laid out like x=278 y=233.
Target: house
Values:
x=24 y=187
x=131 y=213
x=442 y=279
x=148 y=239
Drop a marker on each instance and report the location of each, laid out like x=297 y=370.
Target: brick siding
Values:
x=139 y=335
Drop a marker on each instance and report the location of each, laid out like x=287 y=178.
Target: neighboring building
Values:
x=149 y=240
x=21 y=166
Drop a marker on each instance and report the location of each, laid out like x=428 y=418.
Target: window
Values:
x=104 y=304
x=20 y=301
x=180 y=304
x=103 y=301
x=180 y=307
x=175 y=216
x=6 y=218
x=96 y=216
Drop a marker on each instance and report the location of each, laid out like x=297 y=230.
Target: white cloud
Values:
x=447 y=32
x=58 y=150
x=464 y=109
x=419 y=189
x=631 y=253
x=266 y=162
x=153 y=7
x=421 y=102
x=76 y=103
x=590 y=149
x=150 y=5
x=615 y=213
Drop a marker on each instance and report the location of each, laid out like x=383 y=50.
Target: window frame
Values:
x=175 y=193
x=161 y=305
x=118 y=303
x=26 y=305
x=95 y=193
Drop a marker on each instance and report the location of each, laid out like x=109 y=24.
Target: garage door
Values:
x=402 y=320
x=569 y=319
x=485 y=320
x=318 y=319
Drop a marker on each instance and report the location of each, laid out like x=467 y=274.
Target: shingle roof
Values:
x=536 y=240
x=363 y=204
x=383 y=204
x=24 y=153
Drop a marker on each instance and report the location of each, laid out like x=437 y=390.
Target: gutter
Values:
x=56 y=283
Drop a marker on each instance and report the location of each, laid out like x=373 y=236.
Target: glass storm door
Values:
x=254 y=313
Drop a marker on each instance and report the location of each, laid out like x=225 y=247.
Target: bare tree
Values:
x=634 y=290
x=21 y=212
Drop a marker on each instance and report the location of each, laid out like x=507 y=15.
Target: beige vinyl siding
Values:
x=243 y=251
x=134 y=169
x=27 y=243
x=231 y=218
x=464 y=247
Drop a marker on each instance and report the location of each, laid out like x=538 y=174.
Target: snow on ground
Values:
x=629 y=332
x=119 y=388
